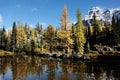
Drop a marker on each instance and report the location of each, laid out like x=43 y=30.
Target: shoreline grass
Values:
x=6 y=53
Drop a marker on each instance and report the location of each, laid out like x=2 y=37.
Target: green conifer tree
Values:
x=13 y=37
x=80 y=38
x=3 y=38
x=116 y=30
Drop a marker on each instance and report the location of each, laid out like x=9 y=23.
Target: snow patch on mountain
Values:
x=102 y=14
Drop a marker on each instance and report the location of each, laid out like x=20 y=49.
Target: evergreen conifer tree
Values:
x=13 y=37
x=80 y=38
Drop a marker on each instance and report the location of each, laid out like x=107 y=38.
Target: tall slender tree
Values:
x=73 y=36
x=64 y=18
x=21 y=38
x=64 y=35
x=50 y=37
x=3 y=38
x=13 y=37
x=88 y=34
x=33 y=42
x=97 y=25
x=97 y=29
x=28 y=34
x=80 y=38
x=116 y=30
x=8 y=40
x=27 y=30
x=38 y=34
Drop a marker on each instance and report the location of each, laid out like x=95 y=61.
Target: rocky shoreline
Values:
x=67 y=56
x=76 y=56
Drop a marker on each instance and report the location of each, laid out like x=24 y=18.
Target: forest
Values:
x=75 y=38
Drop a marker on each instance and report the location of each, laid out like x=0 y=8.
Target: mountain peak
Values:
x=94 y=9
x=101 y=14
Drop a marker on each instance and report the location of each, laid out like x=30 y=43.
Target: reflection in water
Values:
x=37 y=68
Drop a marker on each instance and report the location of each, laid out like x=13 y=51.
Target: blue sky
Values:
x=46 y=11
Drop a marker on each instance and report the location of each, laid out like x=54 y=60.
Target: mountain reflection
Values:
x=37 y=68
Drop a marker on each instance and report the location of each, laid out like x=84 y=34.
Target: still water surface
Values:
x=37 y=68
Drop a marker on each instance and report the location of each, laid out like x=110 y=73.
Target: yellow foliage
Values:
x=21 y=36
x=65 y=38
x=64 y=18
x=37 y=50
x=80 y=37
x=32 y=34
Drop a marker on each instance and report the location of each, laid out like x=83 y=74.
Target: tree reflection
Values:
x=81 y=70
x=65 y=66
x=26 y=67
x=4 y=63
x=51 y=69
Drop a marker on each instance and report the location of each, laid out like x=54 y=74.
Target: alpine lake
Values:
x=39 y=68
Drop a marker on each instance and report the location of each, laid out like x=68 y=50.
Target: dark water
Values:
x=37 y=68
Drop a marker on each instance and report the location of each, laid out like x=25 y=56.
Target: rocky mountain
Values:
x=101 y=14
